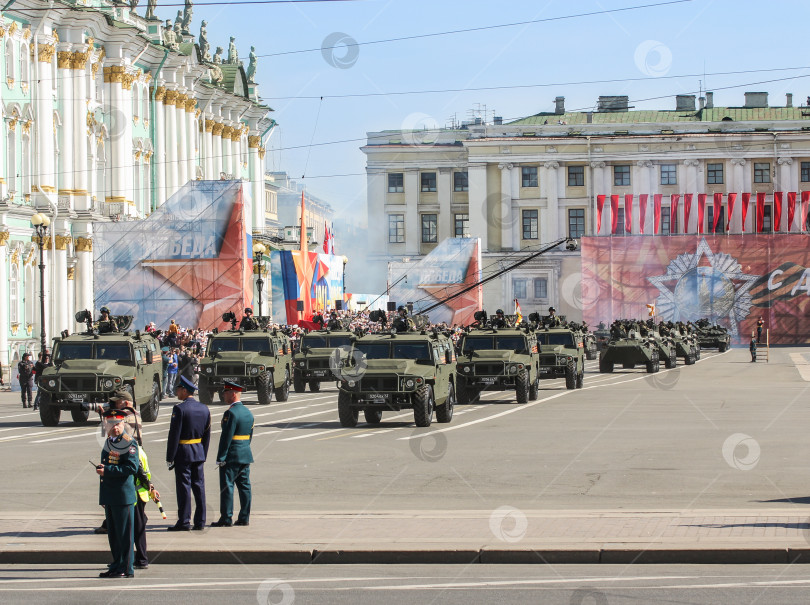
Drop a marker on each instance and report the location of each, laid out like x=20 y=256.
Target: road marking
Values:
x=802 y=365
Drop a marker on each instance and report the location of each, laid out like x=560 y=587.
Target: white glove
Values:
x=220 y=464
x=170 y=465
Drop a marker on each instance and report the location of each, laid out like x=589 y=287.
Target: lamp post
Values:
x=41 y=223
x=259 y=250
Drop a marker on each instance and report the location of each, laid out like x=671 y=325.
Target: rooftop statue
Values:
x=233 y=54
x=251 y=71
x=188 y=12
x=205 y=47
x=169 y=37
x=150 y=10
x=218 y=55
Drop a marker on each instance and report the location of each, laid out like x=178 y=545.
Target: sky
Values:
x=651 y=54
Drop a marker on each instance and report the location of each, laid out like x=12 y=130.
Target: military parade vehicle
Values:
x=686 y=344
x=666 y=345
x=712 y=336
x=498 y=359
x=602 y=336
x=395 y=371
x=311 y=360
x=629 y=348
x=89 y=366
x=586 y=338
x=561 y=355
x=258 y=359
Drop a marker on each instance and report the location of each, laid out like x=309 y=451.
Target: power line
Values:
x=182 y=4
x=481 y=28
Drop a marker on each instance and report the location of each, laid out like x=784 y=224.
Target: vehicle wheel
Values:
x=315 y=386
x=697 y=352
x=283 y=391
x=80 y=416
x=423 y=405
x=205 y=394
x=534 y=390
x=651 y=365
x=671 y=361
x=722 y=348
x=690 y=357
x=373 y=416
x=444 y=412
x=264 y=388
x=463 y=392
x=628 y=366
x=570 y=376
x=580 y=379
x=348 y=416
x=151 y=408
x=590 y=354
x=299 y=384
x=522 y=387
x=48 y=413
x=605 y=367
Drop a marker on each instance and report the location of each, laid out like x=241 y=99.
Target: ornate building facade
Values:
x=105 y=115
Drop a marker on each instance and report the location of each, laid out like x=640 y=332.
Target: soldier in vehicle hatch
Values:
x=402 y=323
x=499 y=321
x=333 y=323
x=248 y=323
x=106 y=324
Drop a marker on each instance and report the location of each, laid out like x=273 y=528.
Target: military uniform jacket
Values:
x=237 y=423
x=191 y=422
x=26 y=371
x=120 y=460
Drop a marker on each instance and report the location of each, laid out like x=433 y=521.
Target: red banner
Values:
x=687 y=210
x=777 y=211
x=805 y=204
x=732 y=199
x=717 y=208
x=657 y=213
x=791 y=209
x=642 y=211
x=760 y=211
x=731 y=279
x=628 y=213
x=614 y=213
x=701 y=211
x=673 y=212
x=746 y=204
x=600 y=204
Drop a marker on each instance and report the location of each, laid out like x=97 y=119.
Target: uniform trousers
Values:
x=229 y=475
x=141 y=555
x=190 y=478
x=120 y=533
x=25 y=391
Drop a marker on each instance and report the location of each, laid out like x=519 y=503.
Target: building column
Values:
x=66 y=138
x=70 y=297
x=216 y=150
x=192 y=135
x=646 y=186
x=208 y=165
x=84 y=273
x=477 y=196
x=444 y=188
x=412 y=227
x=127 y=158
x=172 y=170
x=227 y=151
x=45 y=153
x=78 y=144
x=256 y=182
x=549 y=228
x=4 y=310
x=504 y=213
x=181 y=134
x=61 y=320
x=160 y=145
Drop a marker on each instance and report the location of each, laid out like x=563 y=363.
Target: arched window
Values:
x=10 y=63
x=145 y=97
x=25 y=171
x=13 y=295
x=25 y=64
x=11 y=158
x=136 y=106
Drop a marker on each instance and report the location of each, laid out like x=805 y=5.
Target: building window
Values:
x=428 y=181
x=805 y=172
x=429 y=229
x=396 y=228
x=528 y=176
x=620 y=222
x=665 y=228
x=767 y=222
x=714 y=174
x=576 y=176
x=13 y=295
x=530 y=224
x=762 y=172
x=540 y=287
x=396 y=182
x=576 y=222
x=462 y=225
x=519 y=287
x=721 y=223
x=621 y=176
x=669 y=174
x=460 y=181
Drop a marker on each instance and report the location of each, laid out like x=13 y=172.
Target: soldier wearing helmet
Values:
x=106 y=323
x=402 y=323
x=499 y=321
x=248 y=323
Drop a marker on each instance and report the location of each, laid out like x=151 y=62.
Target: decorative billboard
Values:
x=190 y=260
x=731 y=279
x=453 y=266
x=289 y=280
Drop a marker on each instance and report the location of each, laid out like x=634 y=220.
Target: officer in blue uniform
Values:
x=186 y=451
x=119 y=464
x=234 y=458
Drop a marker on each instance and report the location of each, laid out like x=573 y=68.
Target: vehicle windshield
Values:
x=419 y=351
x=223 y=344
x=557 y=338
x=477 y=343
x=77 y=350
x=511 y=343
x=339 y=341
x=115 y=351
x=256 y=345
x=374 y=350
x=314 y=342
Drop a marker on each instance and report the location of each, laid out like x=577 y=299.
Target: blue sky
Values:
x=655 y=43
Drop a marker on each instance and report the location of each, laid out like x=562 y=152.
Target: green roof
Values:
x=716 y=114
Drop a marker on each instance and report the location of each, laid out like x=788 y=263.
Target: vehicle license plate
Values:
x=319 y=373
x=488 y=379
x=545 y=370
x=77 y=396
x=375 y=397
x=230 y=378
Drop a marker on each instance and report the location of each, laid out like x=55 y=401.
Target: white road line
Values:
x=802 y=365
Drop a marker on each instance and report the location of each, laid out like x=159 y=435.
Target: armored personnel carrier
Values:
x=586 y=338
x=686 y=345
x=89 y=366
x=628 y=348
x=259 y=360
x=712 y=336
x=498 y=359
x=602 y=336
x=666 y=345
x=311 y=360
x=560 y=355
x=395 y=371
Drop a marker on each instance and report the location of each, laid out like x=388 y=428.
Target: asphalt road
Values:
x=723 y=433
x=425 y=584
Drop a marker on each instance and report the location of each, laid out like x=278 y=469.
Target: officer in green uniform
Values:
x=234 y=458
x=119 y=464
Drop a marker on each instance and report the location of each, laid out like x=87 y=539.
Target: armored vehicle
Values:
x=686 y=345
x=666 y=346
x=602 y=336
x=561 y=356
x=586 y=338
x=498 y=358
x=392 y=372
x=712 y=336
x=629 y=348
x=259 y=360
x=89 y=366
x=311 y=360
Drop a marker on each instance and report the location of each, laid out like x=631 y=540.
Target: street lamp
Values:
x=41 y=223
x=259 y=250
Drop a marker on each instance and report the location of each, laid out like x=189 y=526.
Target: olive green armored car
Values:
x=393 y=372
x=311 y=362
x=629 y=348
x=687 y=346
x=498 y=359
x=89 y=366
x=712 y=336
x=561 y=356
x=258 y=360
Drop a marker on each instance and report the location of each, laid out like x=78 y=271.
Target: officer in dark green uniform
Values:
x=119 y=464
x=234 y=458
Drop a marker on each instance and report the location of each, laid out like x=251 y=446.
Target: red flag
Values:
x=332 y=240
x=628 y=213
x=642 y=211
x=777 y=211
x=791 y=209
x=746 y=204
x=326 y=239
x=673 y=211
x=701 y=210
x=718 y=206
x=805 y=204
x=687 y=210
x=614 y=213
x=657 y=213
x=732 y=199
x=600 y=204
x=760 y=212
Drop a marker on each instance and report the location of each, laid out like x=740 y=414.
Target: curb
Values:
x=573 y=556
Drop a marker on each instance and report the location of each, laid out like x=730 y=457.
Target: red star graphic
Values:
x=464 y=305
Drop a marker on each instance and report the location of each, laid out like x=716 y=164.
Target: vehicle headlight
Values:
x=108 y=384
x=466 y=369
x=52 y=383
x=409 y=383
x=301 y=364
x=352 y=383
x=512 y=369
x=208 y=369
x=254 y=370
